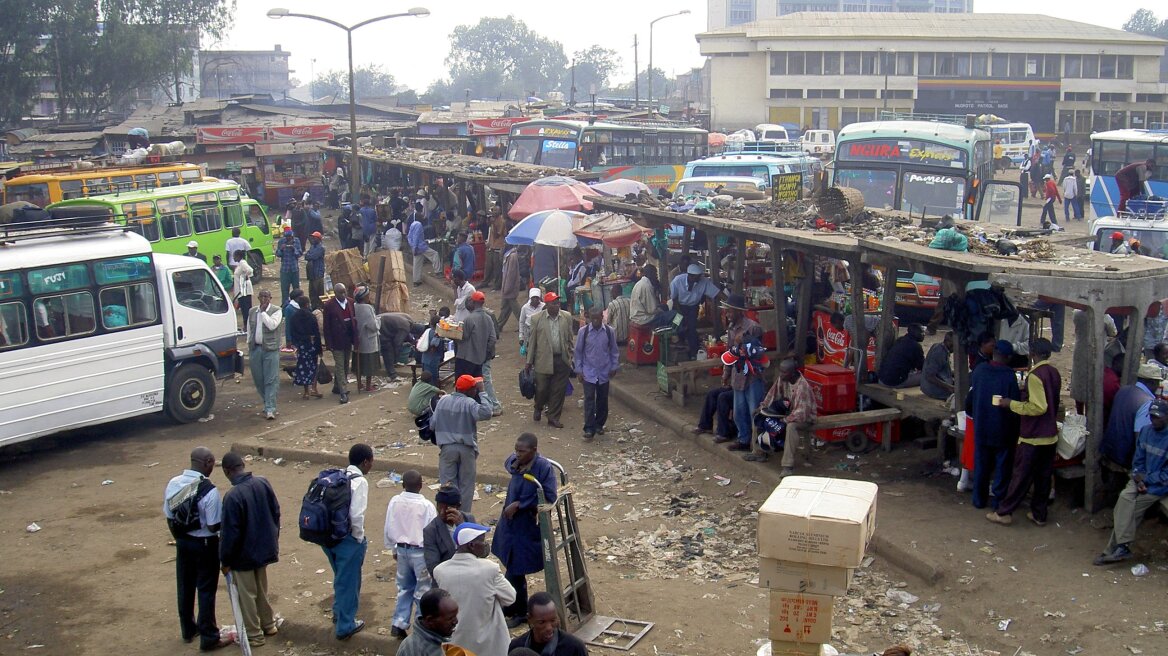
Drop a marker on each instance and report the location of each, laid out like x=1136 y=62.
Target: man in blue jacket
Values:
x=464 y=256
x=1148 y=485
x=517 y=539
x=249 y=541
x=995 y=429
x=416 y=238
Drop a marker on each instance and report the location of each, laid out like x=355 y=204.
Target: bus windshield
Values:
x=932 y=193
x=878 y=187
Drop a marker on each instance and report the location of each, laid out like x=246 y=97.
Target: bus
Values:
x=759 y=160
x=95 y=327
x=205 y=212
x=1111 y=151
x=652 y=152
x=923 y=167
x=1016 y=139
x=42 y=189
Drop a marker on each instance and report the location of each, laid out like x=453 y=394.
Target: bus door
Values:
x=1000 y=202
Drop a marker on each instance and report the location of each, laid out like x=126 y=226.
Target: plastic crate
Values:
x=875 y=432
x=834 y=388
x=642 y=347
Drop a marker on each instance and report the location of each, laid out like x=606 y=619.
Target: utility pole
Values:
x=572 y=91
x=636 y=75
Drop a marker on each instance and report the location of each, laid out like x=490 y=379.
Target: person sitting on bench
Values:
x=719 y=406
x=901 y=366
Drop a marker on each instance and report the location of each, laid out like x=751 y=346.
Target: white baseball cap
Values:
x=534 y=293
x=468 y=532
x=192 y=244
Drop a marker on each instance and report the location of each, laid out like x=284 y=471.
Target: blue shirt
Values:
x=314 y=259
x=680 y=292
x=1151 y=459
x=416 y=237
x=464 y=258
x=597 y=353
x=210 y=506
x=368 y=221
x=288 y=250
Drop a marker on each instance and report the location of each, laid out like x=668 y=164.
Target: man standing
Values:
x=517 y=538
x=395 y=329
x=509 y=288
x=438 y=536
x=549 y=353
x=263 y=339
x=688 y=291
x=406 y=516
x=478 y=338
x=995 y=429
x=193 y=251
x=462 y=292
x=1050 y=194
x=455 y=424
x=193 y=510
x=236 y=244
x=1130 y=180
x=1038 y=437
x=1148 y=485
x=347 y=557
x=496 y=233
x=340 y=336
x=937 y=374
x=901 y=366
x=464 y=257
x=416 y=238
x=545 y=635
x=288 y=250
x=224 y=274
x=747 y=383
x=597 y=361
x=437 y=617
x=1070 y=192
x=793 y=394
x=314 y=269
x=529 y=310
x=248 y=543
x=480 y=589
x=368 y=217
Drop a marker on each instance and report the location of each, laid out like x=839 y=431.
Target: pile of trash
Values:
x=465 y=163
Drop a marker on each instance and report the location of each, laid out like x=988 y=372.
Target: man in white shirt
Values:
x=347 y=557
x=406 y=516
x=1070 y=192
x=263 y=340
x=235 y=244
x=462 y=292
x=534 y=304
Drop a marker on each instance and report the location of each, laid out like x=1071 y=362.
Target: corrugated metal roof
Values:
x=889 y=26
x=64 y=137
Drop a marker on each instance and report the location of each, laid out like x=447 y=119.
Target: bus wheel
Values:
x=190 y=393
x=257 y=266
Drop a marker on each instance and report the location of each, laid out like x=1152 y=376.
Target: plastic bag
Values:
x=527 y=383
x=1072 y=437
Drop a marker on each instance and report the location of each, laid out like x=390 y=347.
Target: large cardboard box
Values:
x=820 y=521
x=794 y=649
x=346 y=267
x=798 y=617
x=395 y=267
x=802 y=577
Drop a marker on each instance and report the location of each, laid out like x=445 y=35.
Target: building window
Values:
x=898 y=94
x=925 y=64
x=1050 y=67
x=1017 y=65
x=831 y=63
x=868 y=63
x=1072 y=66
x=739 y=12
x=851 y=63
x=1150 y=97
x=1114 y=97
x=946 y=64
x=999 y=65
x=796 y=63
x=979 y=64
x=786 y=93
x=778 y=63
x=1125 y=67
x=1091 y=67
x=823 y=93
x=814 y=62
x=1078 y=96
x=1107 y=67
x=904 y=63
x=859 y=93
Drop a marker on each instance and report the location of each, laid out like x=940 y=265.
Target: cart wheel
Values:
x=857 y=441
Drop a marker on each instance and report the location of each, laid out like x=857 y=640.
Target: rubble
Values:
x=451 y=163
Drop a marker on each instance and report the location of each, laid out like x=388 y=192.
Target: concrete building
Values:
x=226 y=73
x=728 y=13
x=826 y=70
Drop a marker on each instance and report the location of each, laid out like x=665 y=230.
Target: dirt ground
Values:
x=667 y=542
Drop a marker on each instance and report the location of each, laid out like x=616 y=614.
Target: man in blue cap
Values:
x=995 y=429
x=480 y=589
x=689 y=290
x=1148 y=485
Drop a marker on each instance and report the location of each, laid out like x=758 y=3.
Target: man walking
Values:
x=405 y=518
x=746 y=382
x=549 y=353
x=597 y=360
x=263 y=339
x=368 y=218
x=478 y=338
x=479 y=587
x=314 y=269
x=416 y=238
x=340 y=336
x=288 y=250
x=689 y=290
x=533 y=306
x=509 y=289
x=348 y=556
x=1050 y=193
x=1148 y=485
x=995 y=429
x=249 y=542
x=193 y=511
x=496 y=234
x=455 y=425
x=517 y=538
x=1038 y=437
x=438 y=536
x=437 y=617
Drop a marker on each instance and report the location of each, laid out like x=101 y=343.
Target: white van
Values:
x=818 y=142
x=95 y=327
x=1152 y=231
x=771 y=132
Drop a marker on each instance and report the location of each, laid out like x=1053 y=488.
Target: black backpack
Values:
x=184 y=506
x=324 y=511
x=422 y=422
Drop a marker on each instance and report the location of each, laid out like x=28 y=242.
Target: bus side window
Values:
x=72 y=189
x=255 y=216
x=173 y=213
x=205 y=213
x=66 y=315
x=140 y=218
x=131 y=305
x=167 y=178
x=13 y=325
x=96 y=186
x=145 y=181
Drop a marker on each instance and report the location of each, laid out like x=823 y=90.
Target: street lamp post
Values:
x=278 y=13
x=683 y=11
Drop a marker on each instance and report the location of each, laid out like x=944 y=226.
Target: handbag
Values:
x=323 y=375
x=527 y=383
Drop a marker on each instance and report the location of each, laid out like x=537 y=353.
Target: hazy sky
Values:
x=414 y=49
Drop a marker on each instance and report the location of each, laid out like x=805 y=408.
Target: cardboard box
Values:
x=395 y=296
x=801 y=577
x=346 y=267
x=798 y=617
x=820 y=521
x=794 y=649
x=395 y=267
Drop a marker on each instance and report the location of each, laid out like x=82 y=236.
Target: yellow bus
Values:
x=42 y=189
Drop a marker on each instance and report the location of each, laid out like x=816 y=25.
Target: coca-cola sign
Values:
x=234 y=135
x=301 y=132
x=481 y=127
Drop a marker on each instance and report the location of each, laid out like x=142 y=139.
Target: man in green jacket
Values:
x=549 y=353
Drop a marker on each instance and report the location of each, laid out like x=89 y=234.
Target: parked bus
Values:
x=42 y=189
x=1111 y=151
x=204 y=212
x=95 y=327
x=652 y=152
x=916 y=166
x=759 y=160
x=1016 y=139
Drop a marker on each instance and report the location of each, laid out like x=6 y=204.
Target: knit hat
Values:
x=449 y=494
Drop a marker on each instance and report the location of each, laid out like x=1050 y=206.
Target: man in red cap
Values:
x=1119 y=244
x=314 y=267
x=455 y=424
x=549 y=353
x=478 y=338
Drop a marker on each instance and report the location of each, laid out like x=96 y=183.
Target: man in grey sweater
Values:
x=455 y=425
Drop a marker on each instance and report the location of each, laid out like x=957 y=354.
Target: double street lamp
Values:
x=349 y=29
x=651 y=23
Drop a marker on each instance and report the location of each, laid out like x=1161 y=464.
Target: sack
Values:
x=1072 y=437
x=422 y=422
x=323 y=375
x=324 y=511
x=184 y=507
x=527 y=383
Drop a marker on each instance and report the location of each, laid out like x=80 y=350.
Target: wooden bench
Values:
x=911 y=402
x=883 y=416
x=683 y=376
x=445 y=370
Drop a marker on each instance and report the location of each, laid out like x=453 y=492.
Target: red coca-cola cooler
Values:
x=834 y=388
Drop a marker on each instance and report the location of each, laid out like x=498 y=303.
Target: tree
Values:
x=20 y=59
x=368 y=81
x=593 y=68
x=503 y=57
x=1143 y=21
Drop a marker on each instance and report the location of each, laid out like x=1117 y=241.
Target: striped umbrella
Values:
x=549 y=227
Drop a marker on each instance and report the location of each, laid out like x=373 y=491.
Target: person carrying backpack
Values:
x=332 y=515
x=597 y=360
x=193 y=512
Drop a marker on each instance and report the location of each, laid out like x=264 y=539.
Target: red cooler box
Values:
x=642 y=347
x=834 y=388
